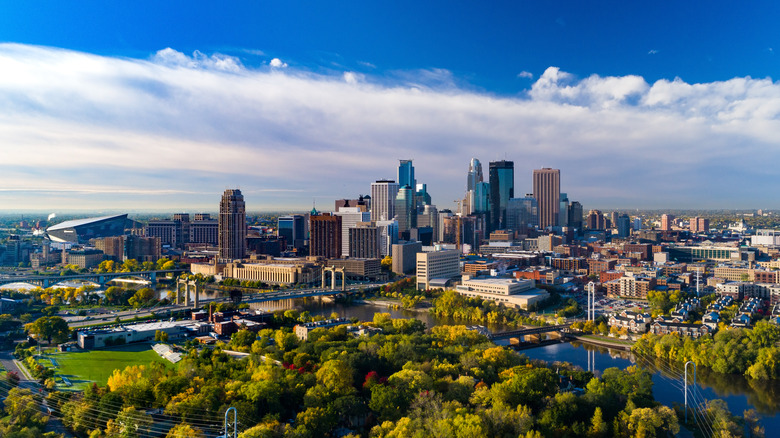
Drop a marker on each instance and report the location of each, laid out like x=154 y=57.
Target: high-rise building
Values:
x=623 y=225
x=388 y=236
x=575 y=215
x=502 y=189
x=429 y=218
x=475 y=175
x=563 y=211
x=232 y=225
x=293 y=229
x=422 y=197
x=699 y=225
x=666 y=222
x=547 y=191
x=350 y=216
x=364 y=241
x=522 y=213
x=405 y=210
x=204 y=230
x=406 y=174
x=383 y=193
x=182 y=221
x=596 y=220
x=637 y=223
x=325 y=239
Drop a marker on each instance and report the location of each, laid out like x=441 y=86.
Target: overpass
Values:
x=45 y=281
x=528 y=331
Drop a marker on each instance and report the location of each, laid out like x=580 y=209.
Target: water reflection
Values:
x=737 y=391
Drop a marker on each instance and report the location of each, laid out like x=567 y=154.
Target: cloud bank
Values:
x=173 y=131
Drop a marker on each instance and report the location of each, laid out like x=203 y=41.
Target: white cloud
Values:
x=525 y=74
x=175 y=130
x=352 y=78
x=173 y=58
x=652 y=52
x=277 y=63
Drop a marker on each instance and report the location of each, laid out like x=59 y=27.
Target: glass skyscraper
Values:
x=502 y=189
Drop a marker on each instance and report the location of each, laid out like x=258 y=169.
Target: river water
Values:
x=739 y=393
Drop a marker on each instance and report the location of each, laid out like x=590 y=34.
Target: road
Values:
x=163 y=311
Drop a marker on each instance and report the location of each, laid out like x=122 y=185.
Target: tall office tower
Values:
x=666 y=222
x=623 y=224
x=637 y=223
x=383 y=193
x=575 y=215
x=350 y=216
x=422 y=197
x=293 y=229
x=406 y=177
x=563 y=211
x=475 y=174
x=232 y=225
x=547 y=191
x=406 y=174
x=325 y=239
x=429 y=218
x=443 y=215
x=502 y=189
x=388 y=236
x=522 y=213
x=405 y=211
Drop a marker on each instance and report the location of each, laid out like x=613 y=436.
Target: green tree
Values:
x=184 y=430
x=49 y=327
x=20 y=405
x=129 y=423
x=141 y=297
x=242 y=340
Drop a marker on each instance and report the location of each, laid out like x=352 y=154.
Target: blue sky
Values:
x=165 y=104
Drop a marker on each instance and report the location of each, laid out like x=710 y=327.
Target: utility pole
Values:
x=686 y=386
x=231 y=427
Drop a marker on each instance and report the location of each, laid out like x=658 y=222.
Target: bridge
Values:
x=45 y=281
x=528 y=331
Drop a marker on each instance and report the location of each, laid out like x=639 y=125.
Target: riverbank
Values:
x=601 y=341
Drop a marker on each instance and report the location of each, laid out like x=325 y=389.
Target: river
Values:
x=739 y=393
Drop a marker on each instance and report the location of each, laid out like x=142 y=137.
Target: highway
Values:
x=108 y=316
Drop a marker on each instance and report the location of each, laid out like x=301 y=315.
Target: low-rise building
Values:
x=684 y=329
x=143 y=332
x=513 y=292
x=303 y=330
x=634 y=322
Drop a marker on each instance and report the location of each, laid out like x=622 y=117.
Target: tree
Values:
x=598 y=427
x=387 y=263
x=129 y=423
x=21 y=406
x=49 y=327
x=242 y=340
x=161 y=336
x=184 y=430
x=141 y=297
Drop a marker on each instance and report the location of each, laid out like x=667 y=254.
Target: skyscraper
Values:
x=232 y=225
x=405 y=210
x=475 y=174
x=522 y=213
x=325 y=239
x=350 y=216
x=383 y=194
x=547 y=191
x=406 y=174
x=502 y=189
x=575 y=215
x=293 y=229
x=667 y=220
x=623 y=225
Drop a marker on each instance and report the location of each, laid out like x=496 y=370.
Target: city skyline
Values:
x=146 y=117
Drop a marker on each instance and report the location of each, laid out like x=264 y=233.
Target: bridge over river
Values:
x=45 y=281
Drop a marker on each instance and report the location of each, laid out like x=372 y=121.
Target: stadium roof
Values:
x=79 y=222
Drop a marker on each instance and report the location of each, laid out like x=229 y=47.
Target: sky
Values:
x=163 y=105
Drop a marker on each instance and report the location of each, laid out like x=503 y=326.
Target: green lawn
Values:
x=84 y=367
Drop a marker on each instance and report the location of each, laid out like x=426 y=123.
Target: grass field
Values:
x=84 y=367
